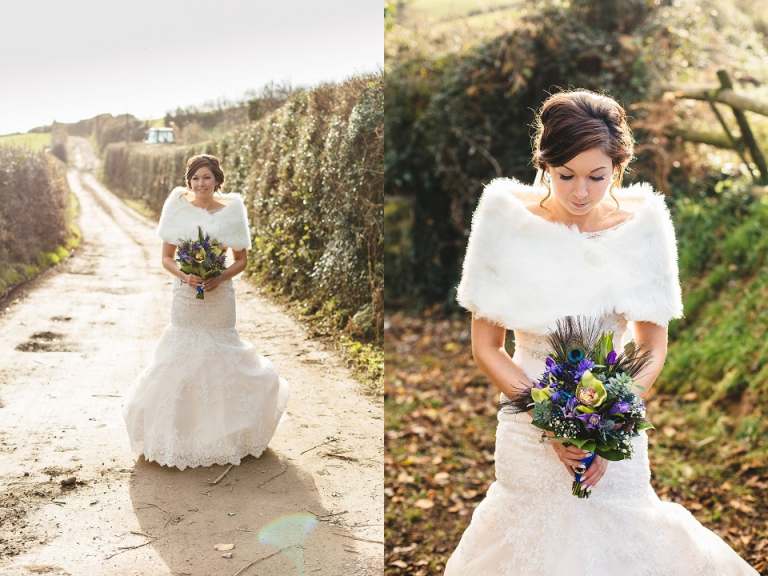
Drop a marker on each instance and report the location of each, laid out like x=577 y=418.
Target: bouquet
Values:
x=201 y=257
x=585 y=394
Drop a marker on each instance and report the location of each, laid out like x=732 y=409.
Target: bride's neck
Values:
x=204 y=204
x=588 y=222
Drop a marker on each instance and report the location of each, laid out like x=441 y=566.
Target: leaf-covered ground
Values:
x=440 y=432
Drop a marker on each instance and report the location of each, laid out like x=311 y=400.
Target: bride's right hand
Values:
x=570 y=456
x=194 y=281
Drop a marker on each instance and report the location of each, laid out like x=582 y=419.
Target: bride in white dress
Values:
x=207 y=397
x=537 y=254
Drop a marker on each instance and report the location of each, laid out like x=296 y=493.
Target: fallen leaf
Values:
x=669 y=432
x=424 y=504
x=442 y=478
x=405 y=549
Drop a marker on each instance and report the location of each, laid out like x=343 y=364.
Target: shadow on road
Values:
x=186 y=516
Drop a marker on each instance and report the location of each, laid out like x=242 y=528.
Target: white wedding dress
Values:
x=531 y=525
x=207 y=397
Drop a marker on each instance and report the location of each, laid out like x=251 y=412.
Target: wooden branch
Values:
x=122 y=549
x=244 y=568
x=222 y=475
x=718 y=94
x=358 y=538
x=746 y=132
x=712 y=138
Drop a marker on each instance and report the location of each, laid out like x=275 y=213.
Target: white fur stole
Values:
x=228 y=226
x=525 y=273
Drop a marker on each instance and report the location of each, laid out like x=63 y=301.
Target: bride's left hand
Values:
x=595 y=471
x=210 y=284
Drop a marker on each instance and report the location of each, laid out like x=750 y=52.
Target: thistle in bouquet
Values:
x=201 y=257
x=585 y=394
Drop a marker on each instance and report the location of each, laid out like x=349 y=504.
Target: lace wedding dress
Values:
x=207 y=397
x=531 y=525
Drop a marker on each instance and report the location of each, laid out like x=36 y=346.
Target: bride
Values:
x=536 y=255
x=206 y=397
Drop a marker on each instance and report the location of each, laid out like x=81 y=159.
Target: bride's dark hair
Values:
x=572 y=122
x=204 y=161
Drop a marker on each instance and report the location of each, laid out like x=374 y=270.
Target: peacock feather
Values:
x=574 y=339
x=578 y=339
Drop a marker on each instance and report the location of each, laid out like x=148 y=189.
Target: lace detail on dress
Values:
x=599 y=233
x=531 y=525
x=207 y=397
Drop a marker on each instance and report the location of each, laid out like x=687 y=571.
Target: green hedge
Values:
x=312 y=176
x=35 y=214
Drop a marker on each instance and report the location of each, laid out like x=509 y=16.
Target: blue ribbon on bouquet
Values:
x=578 y=472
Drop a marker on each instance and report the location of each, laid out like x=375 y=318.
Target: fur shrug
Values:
x=524 y=273
x=228 y=226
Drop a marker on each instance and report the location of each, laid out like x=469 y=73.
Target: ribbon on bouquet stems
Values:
x=578 y=490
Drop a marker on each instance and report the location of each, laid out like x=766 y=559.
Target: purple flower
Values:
x=552 y=369
x=569 y=410
x=557 y=396
x=611 y=358
x=592 y=420
x=619 y=408
x=582 y=367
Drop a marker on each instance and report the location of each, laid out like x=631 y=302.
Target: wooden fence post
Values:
x=746 y=133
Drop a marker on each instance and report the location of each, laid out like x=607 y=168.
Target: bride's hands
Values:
x=595 y=471
x=571 y=457
x=210 y=284
x=194 y=281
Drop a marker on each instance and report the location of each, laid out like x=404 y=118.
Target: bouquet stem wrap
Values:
x=578 y=490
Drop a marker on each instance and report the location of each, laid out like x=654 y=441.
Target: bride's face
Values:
x=203 y=182
x=581 y=184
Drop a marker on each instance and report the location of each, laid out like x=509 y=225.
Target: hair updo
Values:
x=205 y=161
x=573 y=122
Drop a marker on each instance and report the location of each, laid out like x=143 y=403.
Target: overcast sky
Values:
x=68 y=61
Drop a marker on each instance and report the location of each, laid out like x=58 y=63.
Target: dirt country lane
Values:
x=75 y=501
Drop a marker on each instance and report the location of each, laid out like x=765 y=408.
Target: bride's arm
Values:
x=238 y=264
x=169 y=261
x=492 y=359
x=654 y=337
